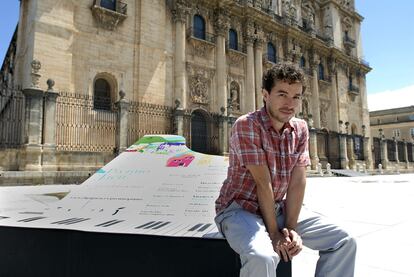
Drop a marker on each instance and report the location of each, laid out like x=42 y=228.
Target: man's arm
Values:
x=294 y=197
x=294 y=200
x=265 y=196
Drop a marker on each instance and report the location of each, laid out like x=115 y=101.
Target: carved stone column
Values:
x=334 y=96
x=122 y=135
x=180 y=93
x=33 y=125
x=315 y=95
x=367 y=153
x=32 y=152
x=397 y=159
x=384 y=153
x=49 y=129
x=250 y=99
x=258 y=69
x=222 y=27
x=313 y=148
x=351 y=154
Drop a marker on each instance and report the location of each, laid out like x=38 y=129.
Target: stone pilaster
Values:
x=250 y=103
x=334 y=96
x=406 y=155
x=179 y=16
x=397 y=159
x=122 y=135
x=258 y=71
x=32 y=151
x=315 y=95
x=221 y=28
x=49 y=129
x=313 y=148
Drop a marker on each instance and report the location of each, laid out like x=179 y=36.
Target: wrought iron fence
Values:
x=80 y=127
x=410 y=152
x=391 y=150
x=11 y=118
x=401 y=151
x=358 y=147
x=145 y=118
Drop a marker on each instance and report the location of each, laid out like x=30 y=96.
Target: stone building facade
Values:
x=392 y=134
x=184 y=67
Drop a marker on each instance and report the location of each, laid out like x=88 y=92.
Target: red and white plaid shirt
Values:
x=255 y=142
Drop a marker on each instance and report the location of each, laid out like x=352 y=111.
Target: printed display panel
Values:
x=157 y=186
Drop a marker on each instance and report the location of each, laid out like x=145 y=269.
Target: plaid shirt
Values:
x=255 y=142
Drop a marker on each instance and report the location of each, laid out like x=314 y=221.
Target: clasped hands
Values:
x=286 y=243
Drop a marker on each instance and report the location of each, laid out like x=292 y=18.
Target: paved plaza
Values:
x=377 y=210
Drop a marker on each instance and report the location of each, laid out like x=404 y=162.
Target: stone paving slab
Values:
x=377 y=210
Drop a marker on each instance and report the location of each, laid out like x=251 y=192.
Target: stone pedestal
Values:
x=343 y=154
x=122 y=135
x=350 y=152
x=384 y=154
x=313 y=149
x=223 y=139
x=367 y=153
x=49 y=132
x=179 y=122
x=32 y=150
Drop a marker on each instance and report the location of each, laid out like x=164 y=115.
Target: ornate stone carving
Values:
x=332 y=66
x=180 y=11
x=199 y=79
x=234 y=96
x=200 y=47
x=36 y=65
x=259 y=36
x=222 y=23
x=235 y=57
x=249 y=32
x=324 y=106
x=106 y=18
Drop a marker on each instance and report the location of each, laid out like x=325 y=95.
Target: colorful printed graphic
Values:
x=180 y=160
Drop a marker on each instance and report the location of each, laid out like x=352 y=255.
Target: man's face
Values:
x=282 y=102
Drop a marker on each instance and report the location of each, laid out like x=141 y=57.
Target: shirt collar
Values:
x=268 y=123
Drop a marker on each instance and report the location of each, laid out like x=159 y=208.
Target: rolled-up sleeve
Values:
x=246 y=142
x=303 y=147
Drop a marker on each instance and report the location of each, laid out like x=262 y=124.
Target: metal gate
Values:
x=334 y=151
x=377 y=152
x=199 y=135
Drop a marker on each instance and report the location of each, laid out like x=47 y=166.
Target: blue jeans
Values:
x=246 y=234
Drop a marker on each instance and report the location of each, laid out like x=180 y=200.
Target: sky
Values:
x=387 y=39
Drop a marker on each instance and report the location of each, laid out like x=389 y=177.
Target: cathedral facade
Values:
x=116 y=70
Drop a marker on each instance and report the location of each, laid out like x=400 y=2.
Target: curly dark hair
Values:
x=283 y=71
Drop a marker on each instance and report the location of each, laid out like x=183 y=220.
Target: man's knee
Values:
x=268 y=260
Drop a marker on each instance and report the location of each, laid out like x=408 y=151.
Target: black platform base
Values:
x=66 y=253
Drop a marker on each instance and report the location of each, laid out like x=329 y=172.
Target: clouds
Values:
x=390 y=99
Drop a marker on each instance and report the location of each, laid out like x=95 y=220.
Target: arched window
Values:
x=102 y=95
x=233 y=39
x=302 y=62
x=199 y=27
x=321 y=71
x=271 y=53
x=109 y=4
